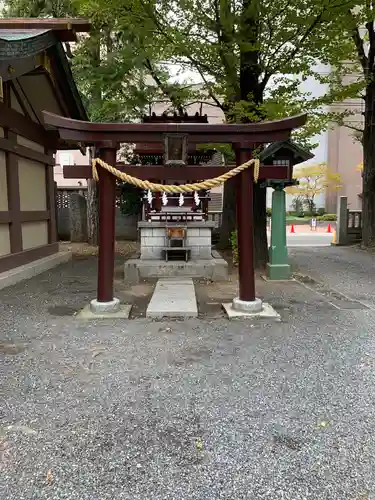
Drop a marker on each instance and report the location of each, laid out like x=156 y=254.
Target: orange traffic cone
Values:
x=292 y=230
x=329 y=229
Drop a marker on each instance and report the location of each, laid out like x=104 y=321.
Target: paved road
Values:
x=308 y=239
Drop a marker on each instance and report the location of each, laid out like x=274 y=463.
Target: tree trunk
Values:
x=92 y=208
x=250 y=91
x=368 y=196
x=92 y=212
x=228 y=222
x=93 y=186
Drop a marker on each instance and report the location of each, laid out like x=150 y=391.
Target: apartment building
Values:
x=345 y=152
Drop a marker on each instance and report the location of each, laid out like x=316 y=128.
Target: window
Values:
x=280 y=163
x=65 y=159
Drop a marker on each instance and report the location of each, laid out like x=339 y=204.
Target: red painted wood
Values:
x=93 y=132
x=98 y=136
x=107 y=199
x=245 y=229
x=12 y=260
x=158 y=202
x=192 y=129
x=160 y=172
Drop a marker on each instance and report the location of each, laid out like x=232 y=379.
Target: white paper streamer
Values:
x=196 y=198
x=164 y=199
x=149 y=197
x=181 y=200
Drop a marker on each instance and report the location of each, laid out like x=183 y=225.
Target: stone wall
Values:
x=153 y=239
x=71 y=209
x=78 y=218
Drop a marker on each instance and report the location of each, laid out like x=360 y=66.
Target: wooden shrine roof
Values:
x=250 y=133
x=36 y=73
x=22 y=28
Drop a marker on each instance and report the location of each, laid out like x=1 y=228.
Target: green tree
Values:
x=110 y=67
x=251 y=56
x=314 y=180
x=39 y=8
x=350 y=49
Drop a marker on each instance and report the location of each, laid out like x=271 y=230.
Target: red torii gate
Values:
x=107 y=136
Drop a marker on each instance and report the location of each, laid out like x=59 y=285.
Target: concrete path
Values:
x=173 y=298
x=307 y=239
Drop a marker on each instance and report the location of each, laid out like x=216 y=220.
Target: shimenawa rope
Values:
x=184 y=188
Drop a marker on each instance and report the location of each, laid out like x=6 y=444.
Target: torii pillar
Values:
x=246 y=302
x=105 y=301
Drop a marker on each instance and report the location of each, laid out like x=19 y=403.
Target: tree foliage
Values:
x=314 y=180
x=251 y=58
x=354 y=68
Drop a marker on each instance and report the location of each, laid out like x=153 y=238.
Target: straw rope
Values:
x=184 y=188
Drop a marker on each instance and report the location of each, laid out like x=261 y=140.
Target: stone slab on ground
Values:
x=215 y=269
x=173 y=298
x=278 y=272
x=27 y=271
x=267 y=312
x=123 y=312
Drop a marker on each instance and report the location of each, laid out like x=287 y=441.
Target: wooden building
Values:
x=34 y=76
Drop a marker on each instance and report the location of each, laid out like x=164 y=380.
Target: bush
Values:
x=297 y=205
x=130 y=199
x=269 y=212
x=327 y=217
x=295 y=214
x=233 y=243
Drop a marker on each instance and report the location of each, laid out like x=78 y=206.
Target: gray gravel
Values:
x=200 y=409
x=347 y=269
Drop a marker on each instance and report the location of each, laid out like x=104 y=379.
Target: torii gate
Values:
x=106 y=137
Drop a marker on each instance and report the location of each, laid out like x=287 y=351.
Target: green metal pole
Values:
x=278 y=267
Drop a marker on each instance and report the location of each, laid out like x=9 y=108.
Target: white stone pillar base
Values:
x=247 y=306
x=105 y=307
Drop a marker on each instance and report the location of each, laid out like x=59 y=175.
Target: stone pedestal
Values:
x=203 y=262
x=278 y=267
x=342 y=221
x=153 y=237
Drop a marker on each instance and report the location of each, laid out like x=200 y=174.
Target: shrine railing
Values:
x=215 y=217
x=349 y=223
x=355 y=223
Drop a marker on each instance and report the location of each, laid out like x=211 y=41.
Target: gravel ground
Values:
x=200 y=409
x=347 y=269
